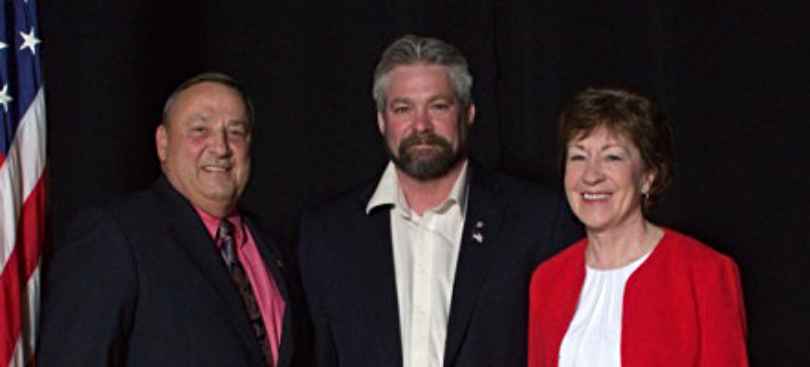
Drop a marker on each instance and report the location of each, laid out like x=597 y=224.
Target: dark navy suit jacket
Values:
x=347 y=270
x=140 y=283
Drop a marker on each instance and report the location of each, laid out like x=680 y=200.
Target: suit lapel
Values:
x=380 y=283
x=273 y=261
x=479 y=244
x=188 y=232
x=271 y=256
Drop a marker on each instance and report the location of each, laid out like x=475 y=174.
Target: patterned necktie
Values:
x=242 y=283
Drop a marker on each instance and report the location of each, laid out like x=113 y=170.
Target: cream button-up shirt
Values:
x=425 y=250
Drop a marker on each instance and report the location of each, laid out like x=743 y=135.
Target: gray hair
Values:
x=410 y=50
x=212 y=77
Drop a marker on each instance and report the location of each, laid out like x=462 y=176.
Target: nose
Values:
x=220 y=144
x=593 y=173
x=422 y=120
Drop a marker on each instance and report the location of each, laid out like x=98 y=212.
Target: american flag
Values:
x=22 y=180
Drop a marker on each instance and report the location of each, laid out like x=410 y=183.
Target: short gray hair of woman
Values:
x=411 y=50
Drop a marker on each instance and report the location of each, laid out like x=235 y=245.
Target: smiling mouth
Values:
x=594 y=196
x=216 y=168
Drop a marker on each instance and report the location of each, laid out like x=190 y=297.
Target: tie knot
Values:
x=225 y=241
x=225 y=229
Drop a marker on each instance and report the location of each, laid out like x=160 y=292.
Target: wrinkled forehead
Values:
x=611 y=134
x=208 y=94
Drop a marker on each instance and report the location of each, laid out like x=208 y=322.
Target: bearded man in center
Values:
x=429 y=265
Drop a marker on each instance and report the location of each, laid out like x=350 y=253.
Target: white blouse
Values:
x=593 y=337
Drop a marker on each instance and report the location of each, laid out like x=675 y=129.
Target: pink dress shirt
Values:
x=271 y=303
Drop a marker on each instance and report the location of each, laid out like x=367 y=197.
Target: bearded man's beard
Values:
x=426 y=156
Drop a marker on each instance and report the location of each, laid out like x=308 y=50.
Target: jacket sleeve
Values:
x=89 y=292
x=722 y=316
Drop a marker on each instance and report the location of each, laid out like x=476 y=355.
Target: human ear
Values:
x=471 y=114
x=381 y=123
x=161 y=142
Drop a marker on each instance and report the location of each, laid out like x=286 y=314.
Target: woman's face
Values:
x=604 y=179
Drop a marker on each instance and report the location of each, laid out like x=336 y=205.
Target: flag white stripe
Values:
x=18 y=358
x=31 y=321
x=21 y=171
x=31 y=316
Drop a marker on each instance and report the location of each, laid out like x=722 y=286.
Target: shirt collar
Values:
x=212 y=225
x=389 y=193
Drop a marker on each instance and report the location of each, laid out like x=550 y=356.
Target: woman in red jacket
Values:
x=631 y=293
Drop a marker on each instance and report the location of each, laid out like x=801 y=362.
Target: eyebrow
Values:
x=242 y=122
x=400 y=100
x=443 y=97
x=604 y=148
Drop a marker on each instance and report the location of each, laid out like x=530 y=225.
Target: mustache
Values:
x=424 y=138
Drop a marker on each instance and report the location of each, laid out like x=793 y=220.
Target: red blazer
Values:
x=682 y=307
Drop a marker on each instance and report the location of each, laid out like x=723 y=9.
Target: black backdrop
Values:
x=731 y=74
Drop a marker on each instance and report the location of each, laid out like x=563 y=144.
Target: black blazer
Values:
x=348 y=274
x=140 y=283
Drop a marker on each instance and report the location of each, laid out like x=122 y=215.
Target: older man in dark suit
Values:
x=430 y=265
x=175 y=275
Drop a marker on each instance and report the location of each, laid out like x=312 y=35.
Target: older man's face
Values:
x=424 y=124
x=204 y=146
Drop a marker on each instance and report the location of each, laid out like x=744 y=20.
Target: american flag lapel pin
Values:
x=478 y=234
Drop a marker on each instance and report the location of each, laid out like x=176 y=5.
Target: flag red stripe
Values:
x=21 y=263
